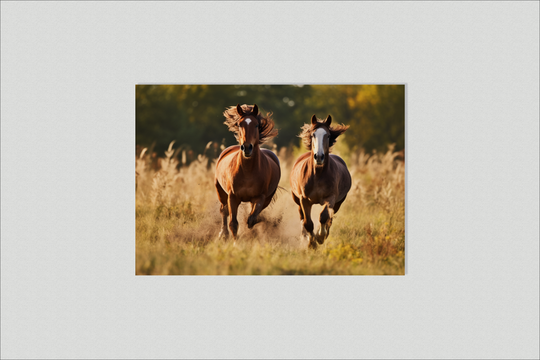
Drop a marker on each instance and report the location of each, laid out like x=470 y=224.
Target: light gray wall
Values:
x=69 y=71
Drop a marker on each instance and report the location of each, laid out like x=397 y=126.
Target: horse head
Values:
x=248 y=129
x=319 y=137
x=320 y=143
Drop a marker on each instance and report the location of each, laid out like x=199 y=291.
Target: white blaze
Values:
x=319 y=137
x=248 y=121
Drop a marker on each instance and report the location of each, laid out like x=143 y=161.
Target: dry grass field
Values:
x=178 y=221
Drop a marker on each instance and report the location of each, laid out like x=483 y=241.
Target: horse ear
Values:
x=313 y=120
x=255 y=110
x=328 y=121
x=239 y=109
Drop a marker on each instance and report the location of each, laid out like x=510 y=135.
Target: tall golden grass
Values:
x=178 y=220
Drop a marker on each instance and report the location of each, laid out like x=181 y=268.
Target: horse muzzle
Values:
x=247 y=150
x=319 y=158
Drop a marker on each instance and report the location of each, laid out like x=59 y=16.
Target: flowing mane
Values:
x=266 y=124
x=308 y=129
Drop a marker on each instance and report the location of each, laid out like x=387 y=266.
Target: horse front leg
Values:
x=256 y=208
x=224 y=210
x=326 y=221
x=307 y=224
x=297 y=201
x=234 y=202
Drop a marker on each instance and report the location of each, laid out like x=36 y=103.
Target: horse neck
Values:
x=251 y=164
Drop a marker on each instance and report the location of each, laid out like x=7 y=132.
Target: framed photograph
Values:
x=270 y=179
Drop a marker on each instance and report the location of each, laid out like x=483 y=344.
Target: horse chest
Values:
x=247 y=187
x=317 y=190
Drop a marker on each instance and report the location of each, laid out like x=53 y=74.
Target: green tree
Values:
x=192 y=114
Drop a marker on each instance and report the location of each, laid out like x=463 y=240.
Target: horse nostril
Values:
x=322 y=157
x=315 y=156
x=242 y=147
x=250 y=147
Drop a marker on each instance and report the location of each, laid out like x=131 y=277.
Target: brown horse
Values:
x=245 y=172
x=319 y=177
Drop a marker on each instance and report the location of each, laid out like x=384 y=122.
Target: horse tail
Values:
x=277 y=193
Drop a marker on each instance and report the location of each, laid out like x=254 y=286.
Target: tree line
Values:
x=192 y=115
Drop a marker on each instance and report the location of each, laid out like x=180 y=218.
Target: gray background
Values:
x=68 y=229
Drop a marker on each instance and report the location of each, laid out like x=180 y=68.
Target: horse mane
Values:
x=334 y=130
x=266 y=124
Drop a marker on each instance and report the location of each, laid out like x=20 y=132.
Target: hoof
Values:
x=310 y=239
x=252 y=221
x=323 y=233
x=223 y=235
